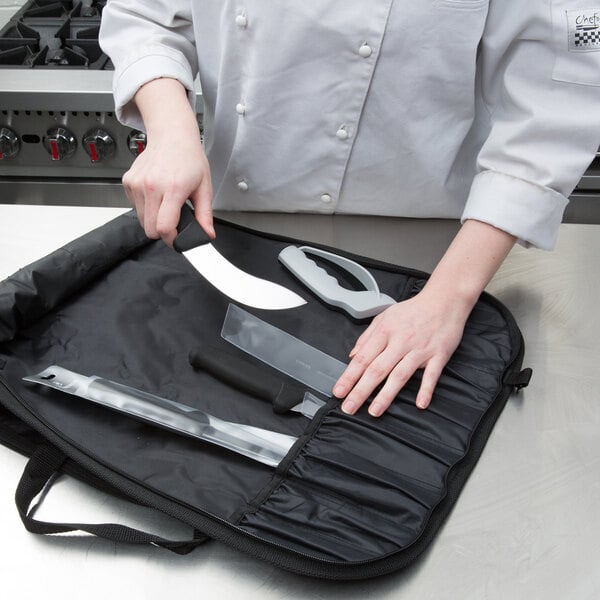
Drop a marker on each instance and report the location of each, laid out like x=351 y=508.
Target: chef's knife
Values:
x=238 y=285
x=281 y=350
x=237 y=371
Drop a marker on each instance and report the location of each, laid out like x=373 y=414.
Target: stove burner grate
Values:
x=51 y=34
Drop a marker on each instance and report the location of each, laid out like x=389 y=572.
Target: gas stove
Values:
x=60 y=142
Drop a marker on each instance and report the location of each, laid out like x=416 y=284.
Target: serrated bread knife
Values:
x=238 y=285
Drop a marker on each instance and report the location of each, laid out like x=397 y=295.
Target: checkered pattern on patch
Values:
x=585 y=38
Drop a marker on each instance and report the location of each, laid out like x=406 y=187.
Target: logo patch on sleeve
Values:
x=584 y=30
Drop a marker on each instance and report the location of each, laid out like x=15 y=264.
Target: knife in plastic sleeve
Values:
x=238 y=285
x=360 y=304
x=263 y=445
x=251 y=378
x=282 y=351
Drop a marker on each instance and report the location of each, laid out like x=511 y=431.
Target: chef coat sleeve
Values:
x=540 y=93
x=147 y=39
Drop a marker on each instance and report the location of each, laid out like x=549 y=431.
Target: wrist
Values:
x=470 y=262
x=165 y=109
x=452 y=295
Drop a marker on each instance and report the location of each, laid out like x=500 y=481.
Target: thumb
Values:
x=201 y=200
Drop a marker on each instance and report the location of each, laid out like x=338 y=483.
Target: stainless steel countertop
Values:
x=527 y=524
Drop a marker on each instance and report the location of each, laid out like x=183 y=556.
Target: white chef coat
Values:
x=482 y=109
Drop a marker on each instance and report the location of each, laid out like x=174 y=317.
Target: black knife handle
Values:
x=237 y=372
x=190 y=234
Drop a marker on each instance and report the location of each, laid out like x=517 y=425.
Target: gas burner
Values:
x=50 y=34
x=61 y=8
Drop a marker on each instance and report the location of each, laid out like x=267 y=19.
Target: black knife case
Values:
x=355 y=497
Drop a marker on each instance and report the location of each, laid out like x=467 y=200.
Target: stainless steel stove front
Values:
x=70 y=148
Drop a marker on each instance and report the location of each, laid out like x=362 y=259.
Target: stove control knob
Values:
x=60 y=143
x=10 y=144
x=136 y=142
x=99 y=145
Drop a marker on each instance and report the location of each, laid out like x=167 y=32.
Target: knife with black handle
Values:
x=193 y=243
x=189 y=233
x=238 y=372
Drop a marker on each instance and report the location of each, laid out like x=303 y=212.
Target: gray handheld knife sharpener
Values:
x=360 y=304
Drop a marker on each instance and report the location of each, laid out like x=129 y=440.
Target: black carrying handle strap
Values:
x=46 y=462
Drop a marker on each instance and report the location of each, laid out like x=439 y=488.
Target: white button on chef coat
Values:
x=342 y=133
x=240 y=108
x=326 y=198
x=242 y=186
x=452 y=102
x=241 y=20
x=365 y=50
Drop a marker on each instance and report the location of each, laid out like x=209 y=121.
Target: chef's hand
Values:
x=421 y=332
x=424 y=331
x=173 y=167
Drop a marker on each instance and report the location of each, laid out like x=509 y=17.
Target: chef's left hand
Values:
x=421 y=332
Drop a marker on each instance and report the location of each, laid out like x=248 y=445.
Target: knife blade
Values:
x=239 y=372
x=238 y=285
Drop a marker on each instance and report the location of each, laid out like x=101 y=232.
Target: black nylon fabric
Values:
x=357 y=489
x=368 y=486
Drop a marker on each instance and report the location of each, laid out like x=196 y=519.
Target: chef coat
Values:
x=480 y=109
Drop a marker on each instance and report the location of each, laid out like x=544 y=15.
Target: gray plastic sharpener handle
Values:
x=360 y=304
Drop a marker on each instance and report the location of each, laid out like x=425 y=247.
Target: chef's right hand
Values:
x=173 y=167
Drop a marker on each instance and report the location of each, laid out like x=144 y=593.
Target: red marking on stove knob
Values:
x=54 y=150
x=60 y=143
x=93 y=153
x=99 y=145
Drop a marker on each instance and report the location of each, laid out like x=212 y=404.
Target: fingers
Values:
x=202 y=202
x=364 y=377
x=134 y=194
x=162 y=178
x=159 y=210
x=396 y=380
x=167 y=218
x=360 y=363
x=431 y=376
x=146 y=194
x=411 y=335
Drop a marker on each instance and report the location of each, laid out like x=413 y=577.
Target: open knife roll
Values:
x=355 y=496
